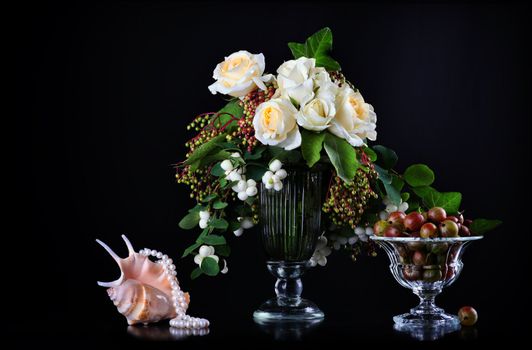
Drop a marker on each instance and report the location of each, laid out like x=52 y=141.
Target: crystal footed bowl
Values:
x=426 y=266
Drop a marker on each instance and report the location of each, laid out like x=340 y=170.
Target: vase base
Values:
x=429 y=320
x=277 y=309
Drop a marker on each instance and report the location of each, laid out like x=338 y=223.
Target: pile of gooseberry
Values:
x=434 y=223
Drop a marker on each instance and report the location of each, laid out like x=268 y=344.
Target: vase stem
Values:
x=427 y=304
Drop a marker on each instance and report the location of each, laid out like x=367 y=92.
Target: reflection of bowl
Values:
x=426 y=266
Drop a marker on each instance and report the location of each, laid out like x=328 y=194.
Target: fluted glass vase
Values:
x=291 y=225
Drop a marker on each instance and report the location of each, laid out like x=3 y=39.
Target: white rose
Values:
x=275 y=124
x=239 y=74
x=316 y=115
x=295 y=79
x=355 y=119
x=327 y=90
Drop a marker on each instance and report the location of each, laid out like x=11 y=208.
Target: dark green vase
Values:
x=291 y=225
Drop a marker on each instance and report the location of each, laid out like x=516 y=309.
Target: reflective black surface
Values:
x=104 y=91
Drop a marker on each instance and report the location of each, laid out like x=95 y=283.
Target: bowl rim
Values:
x=425 y=240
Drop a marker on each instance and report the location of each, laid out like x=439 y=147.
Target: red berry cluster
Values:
x=346 y=202
x=245 y=131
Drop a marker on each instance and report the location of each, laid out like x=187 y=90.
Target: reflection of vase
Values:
x=291 y=220
x=426 y=266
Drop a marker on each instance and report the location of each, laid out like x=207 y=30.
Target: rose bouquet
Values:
x=308 y=114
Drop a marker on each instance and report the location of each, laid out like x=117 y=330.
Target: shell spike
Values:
x=118 y=260
x=109 y=250
x=129 y=245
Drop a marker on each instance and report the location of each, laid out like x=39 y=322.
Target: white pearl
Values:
x=165 y=257
x=171 y=267
x=173 y=273
x=159 y=255
x=194 y=324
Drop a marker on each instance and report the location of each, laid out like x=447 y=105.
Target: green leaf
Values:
x=223 y=250
x=196 y=273
x=481 y=226
x=223 y=182
x=205 y=149
x=221 y=224
x=342 y=155
x=255 y=155
x=405 y=196
x=211 y=158
x=219 y=204
x=284 y=156
x=233 y=108
x=191 y=249
x=397 y=182
x=203 y=233
x=311 y=145
x=217 y=170
x=190 y=221
x=317 y=46
x=450 y=201
x=209 y=198
x=428 y=195
x=214 y=240
x=209 y=266
x=372 y=155
x=255 y=171
x=393 y=193
x=386 y=157
x=197 y=209
x=419 y=175
x=384 y=175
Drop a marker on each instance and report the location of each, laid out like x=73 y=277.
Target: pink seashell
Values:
x=142 y=293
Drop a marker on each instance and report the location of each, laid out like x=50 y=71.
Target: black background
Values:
x=104 y=91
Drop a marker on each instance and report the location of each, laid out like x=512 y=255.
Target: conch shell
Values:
x=142 y=293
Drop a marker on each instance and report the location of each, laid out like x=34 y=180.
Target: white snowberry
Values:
x=206 y=250
x=251 y=191
x=204 y=215
x=242 y=195
x=238 y=232
x=203 y=223
x=281 y=173
x=227 y=165
x=240 y=186
x=275 y=165
x=246 y=223
x=225 y=269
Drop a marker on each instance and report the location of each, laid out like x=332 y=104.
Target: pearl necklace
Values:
x=178 y=297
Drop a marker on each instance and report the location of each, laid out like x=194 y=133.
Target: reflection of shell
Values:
x=142 y=293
